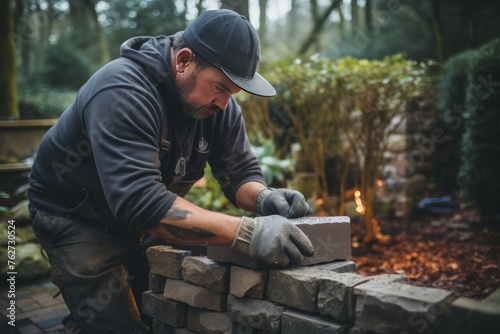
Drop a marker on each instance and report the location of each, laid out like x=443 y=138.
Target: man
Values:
x=114 y=168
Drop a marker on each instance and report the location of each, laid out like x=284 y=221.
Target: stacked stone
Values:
x=196 y=294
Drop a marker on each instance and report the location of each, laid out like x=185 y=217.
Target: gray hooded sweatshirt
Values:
x=101 y=161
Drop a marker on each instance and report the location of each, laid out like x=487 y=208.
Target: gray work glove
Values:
x=284 y=202
x=273 y=240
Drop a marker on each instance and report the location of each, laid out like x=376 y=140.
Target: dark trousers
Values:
x=101 y=273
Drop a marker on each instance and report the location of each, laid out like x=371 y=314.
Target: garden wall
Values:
x=195 y=294
x=410 y=163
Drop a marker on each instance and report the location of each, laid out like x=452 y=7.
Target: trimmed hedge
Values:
x=479 y=176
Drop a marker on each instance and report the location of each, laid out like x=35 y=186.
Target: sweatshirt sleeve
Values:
x=127 y=123
x=233 y=162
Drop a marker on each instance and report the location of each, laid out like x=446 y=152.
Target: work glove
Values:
x=272 y=240
x=284 y=202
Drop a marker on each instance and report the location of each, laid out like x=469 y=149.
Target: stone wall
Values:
x=195 y=294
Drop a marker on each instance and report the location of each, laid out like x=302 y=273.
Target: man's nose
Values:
x=222 y=100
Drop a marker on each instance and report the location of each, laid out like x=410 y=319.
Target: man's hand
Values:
x=283 y=202
x=273 y=240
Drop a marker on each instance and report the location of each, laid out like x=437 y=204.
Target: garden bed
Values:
x=451 y=252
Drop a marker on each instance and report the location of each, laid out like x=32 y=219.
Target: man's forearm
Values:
x=186 y=223
x=246 y=196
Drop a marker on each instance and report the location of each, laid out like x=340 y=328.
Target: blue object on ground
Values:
x=443 y=204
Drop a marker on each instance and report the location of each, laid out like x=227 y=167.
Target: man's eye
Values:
x=219 y=89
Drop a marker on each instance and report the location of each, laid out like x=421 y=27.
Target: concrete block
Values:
x=205 y=272
x=396 y=308
x=167 y=311
x=330 y=236
x=295 y=322
x=156 y=282
x=195 y=295
x=166 y=261
x=248 y=282
x=255 y=313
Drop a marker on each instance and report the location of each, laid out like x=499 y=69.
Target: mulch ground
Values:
x=451 y=252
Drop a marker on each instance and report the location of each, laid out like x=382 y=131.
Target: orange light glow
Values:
x=379 y=183
x=360 y=208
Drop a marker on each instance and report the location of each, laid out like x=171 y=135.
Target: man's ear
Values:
x=183 y=59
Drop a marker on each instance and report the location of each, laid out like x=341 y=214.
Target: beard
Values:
x=189 y=106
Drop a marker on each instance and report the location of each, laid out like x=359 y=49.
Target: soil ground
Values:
x=451 y=252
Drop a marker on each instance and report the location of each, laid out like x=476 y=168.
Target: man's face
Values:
x=204 y=92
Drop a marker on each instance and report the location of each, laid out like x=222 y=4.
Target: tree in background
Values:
x=239 y=6
x=8 y=91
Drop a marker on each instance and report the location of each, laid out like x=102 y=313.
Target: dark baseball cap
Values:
x=228 y=41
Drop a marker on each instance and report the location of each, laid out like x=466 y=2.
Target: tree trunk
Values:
x=342 y=19
x=354 y=14
x=292 y=20
x=8 y=89
x=368 y=14
x=101 y=37
x=437 y=24
x=240 y=7
x=318 y=25
x=262 y=21
x=199 y=7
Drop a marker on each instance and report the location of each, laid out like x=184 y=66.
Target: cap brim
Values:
x=256 y=86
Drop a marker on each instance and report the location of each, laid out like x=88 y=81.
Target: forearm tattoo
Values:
x=166 y=230
x=177 y=214
x=182 y=233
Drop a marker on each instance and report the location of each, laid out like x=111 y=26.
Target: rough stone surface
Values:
x=182 y=331
x=485 y=316
x=336 y=292
x=396 y=308
x=330 y=236
x=167 y=311
x=470 y=316
x=163 y=328
x=166 y=261
x=205 y=272
x=336 y=295
x=215 y=323
x=193 y=318
x=298 y=322
x=297 y=288
x=248 y=282
x=339 y=266
x=156 y=282
x=255 y=313
x=195 y=295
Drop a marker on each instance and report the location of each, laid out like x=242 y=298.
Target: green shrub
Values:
x=452 y=91
x=44 y=102
x=65 y=67
x=479 y=178
x=211 y=197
